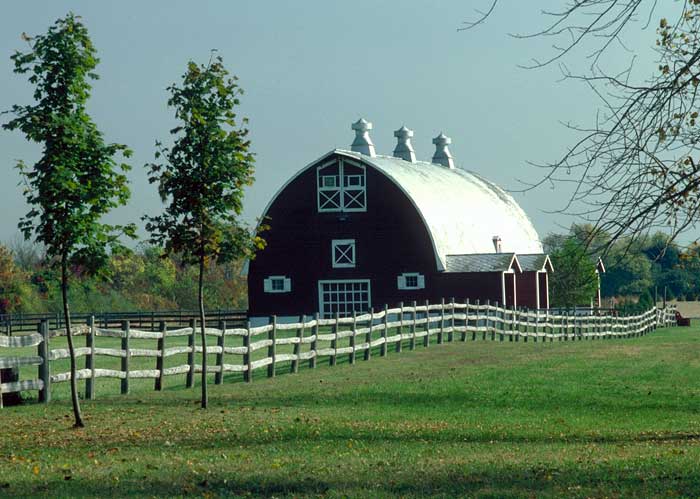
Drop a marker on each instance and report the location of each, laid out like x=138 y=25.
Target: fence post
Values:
x=426 y=338
x=334 y=341
x=220 y=342
x=382 y=347
x=160 y=360
x=450 y=333
x=485 y=318
x=126 y=358
x=526 y=311
x=492 y=322
x=247 y=357
x=512 y=323
x=484 y=332
x=90 y=359
x=476 y=321
x=190 y=354
x=368 y=336
x=500 y=325
x=466 y=320
x=314 y=342
x=412 y=344
x=351 y=358
x=442 y=322
x=45 y=366
x=400 y=329
x=580 y=327
x=272 y=348
x=297 y=346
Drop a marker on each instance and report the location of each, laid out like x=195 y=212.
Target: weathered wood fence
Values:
x=245 y=350
x=18 y=323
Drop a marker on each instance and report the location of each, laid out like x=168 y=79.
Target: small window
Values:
x=277 y=284
x=343 y=253
x=354 y=180
x=411 y=280
x=329 y=181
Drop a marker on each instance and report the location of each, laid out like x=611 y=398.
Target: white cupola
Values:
x=442 y=155
x=363 y=143
x=404 y=148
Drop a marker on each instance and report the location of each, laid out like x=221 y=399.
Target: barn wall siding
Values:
x=390 y=240
x=527 y=289
x=544 y=290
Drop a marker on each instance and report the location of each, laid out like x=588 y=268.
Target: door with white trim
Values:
x=344 y=297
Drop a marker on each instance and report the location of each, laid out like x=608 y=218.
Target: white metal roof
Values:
x=462 y=210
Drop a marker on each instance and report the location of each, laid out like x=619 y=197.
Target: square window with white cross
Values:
x=343 y=253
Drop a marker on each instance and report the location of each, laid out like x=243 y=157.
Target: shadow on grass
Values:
x=450 y=481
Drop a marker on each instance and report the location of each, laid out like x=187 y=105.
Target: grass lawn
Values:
x=617 y=418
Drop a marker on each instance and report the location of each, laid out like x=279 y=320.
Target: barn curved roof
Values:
x=462 y=211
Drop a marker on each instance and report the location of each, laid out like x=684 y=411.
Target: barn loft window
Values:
x=277 y=284
x=411 y=280
x=341 y=186
x=343 y=252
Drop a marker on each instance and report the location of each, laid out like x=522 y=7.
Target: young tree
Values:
x=575 y=281
x=77 y=180
x=202 y=178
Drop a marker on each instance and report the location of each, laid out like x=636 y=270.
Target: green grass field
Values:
x=616 y=418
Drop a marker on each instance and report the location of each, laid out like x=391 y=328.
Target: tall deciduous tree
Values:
x=77 y=180
x=201 y=179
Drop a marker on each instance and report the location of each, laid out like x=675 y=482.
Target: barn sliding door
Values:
x=343 y=297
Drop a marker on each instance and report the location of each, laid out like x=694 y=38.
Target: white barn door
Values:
x=343 y=297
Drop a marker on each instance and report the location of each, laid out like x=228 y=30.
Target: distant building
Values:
x=354 y=230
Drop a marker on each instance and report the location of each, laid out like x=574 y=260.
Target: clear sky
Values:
x=309 y=69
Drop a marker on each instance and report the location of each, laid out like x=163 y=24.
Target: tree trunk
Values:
x=205 y=396
x=69 y=334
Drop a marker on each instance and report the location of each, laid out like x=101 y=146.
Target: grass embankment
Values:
x=618 y=418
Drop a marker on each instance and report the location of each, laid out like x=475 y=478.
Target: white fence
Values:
x=241 y=350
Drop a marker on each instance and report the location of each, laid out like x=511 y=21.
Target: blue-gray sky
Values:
x=310 y=68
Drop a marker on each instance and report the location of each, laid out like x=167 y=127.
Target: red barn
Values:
x=354 y=230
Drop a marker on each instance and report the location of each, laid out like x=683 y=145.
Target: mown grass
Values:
x=617 y=418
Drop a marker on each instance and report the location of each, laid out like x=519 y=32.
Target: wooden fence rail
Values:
x=18 y=323
x=247 y=349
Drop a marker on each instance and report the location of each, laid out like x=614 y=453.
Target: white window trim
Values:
x=330 y=187
x=342 y=281
x=401 y=280
x=341 y=188
x=503 y=289
x=338 y=242
x=286 y=287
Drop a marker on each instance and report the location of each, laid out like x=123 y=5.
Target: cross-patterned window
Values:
x=343 y=253
x=341 y=186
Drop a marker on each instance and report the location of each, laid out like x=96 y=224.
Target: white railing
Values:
x=309 y=340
